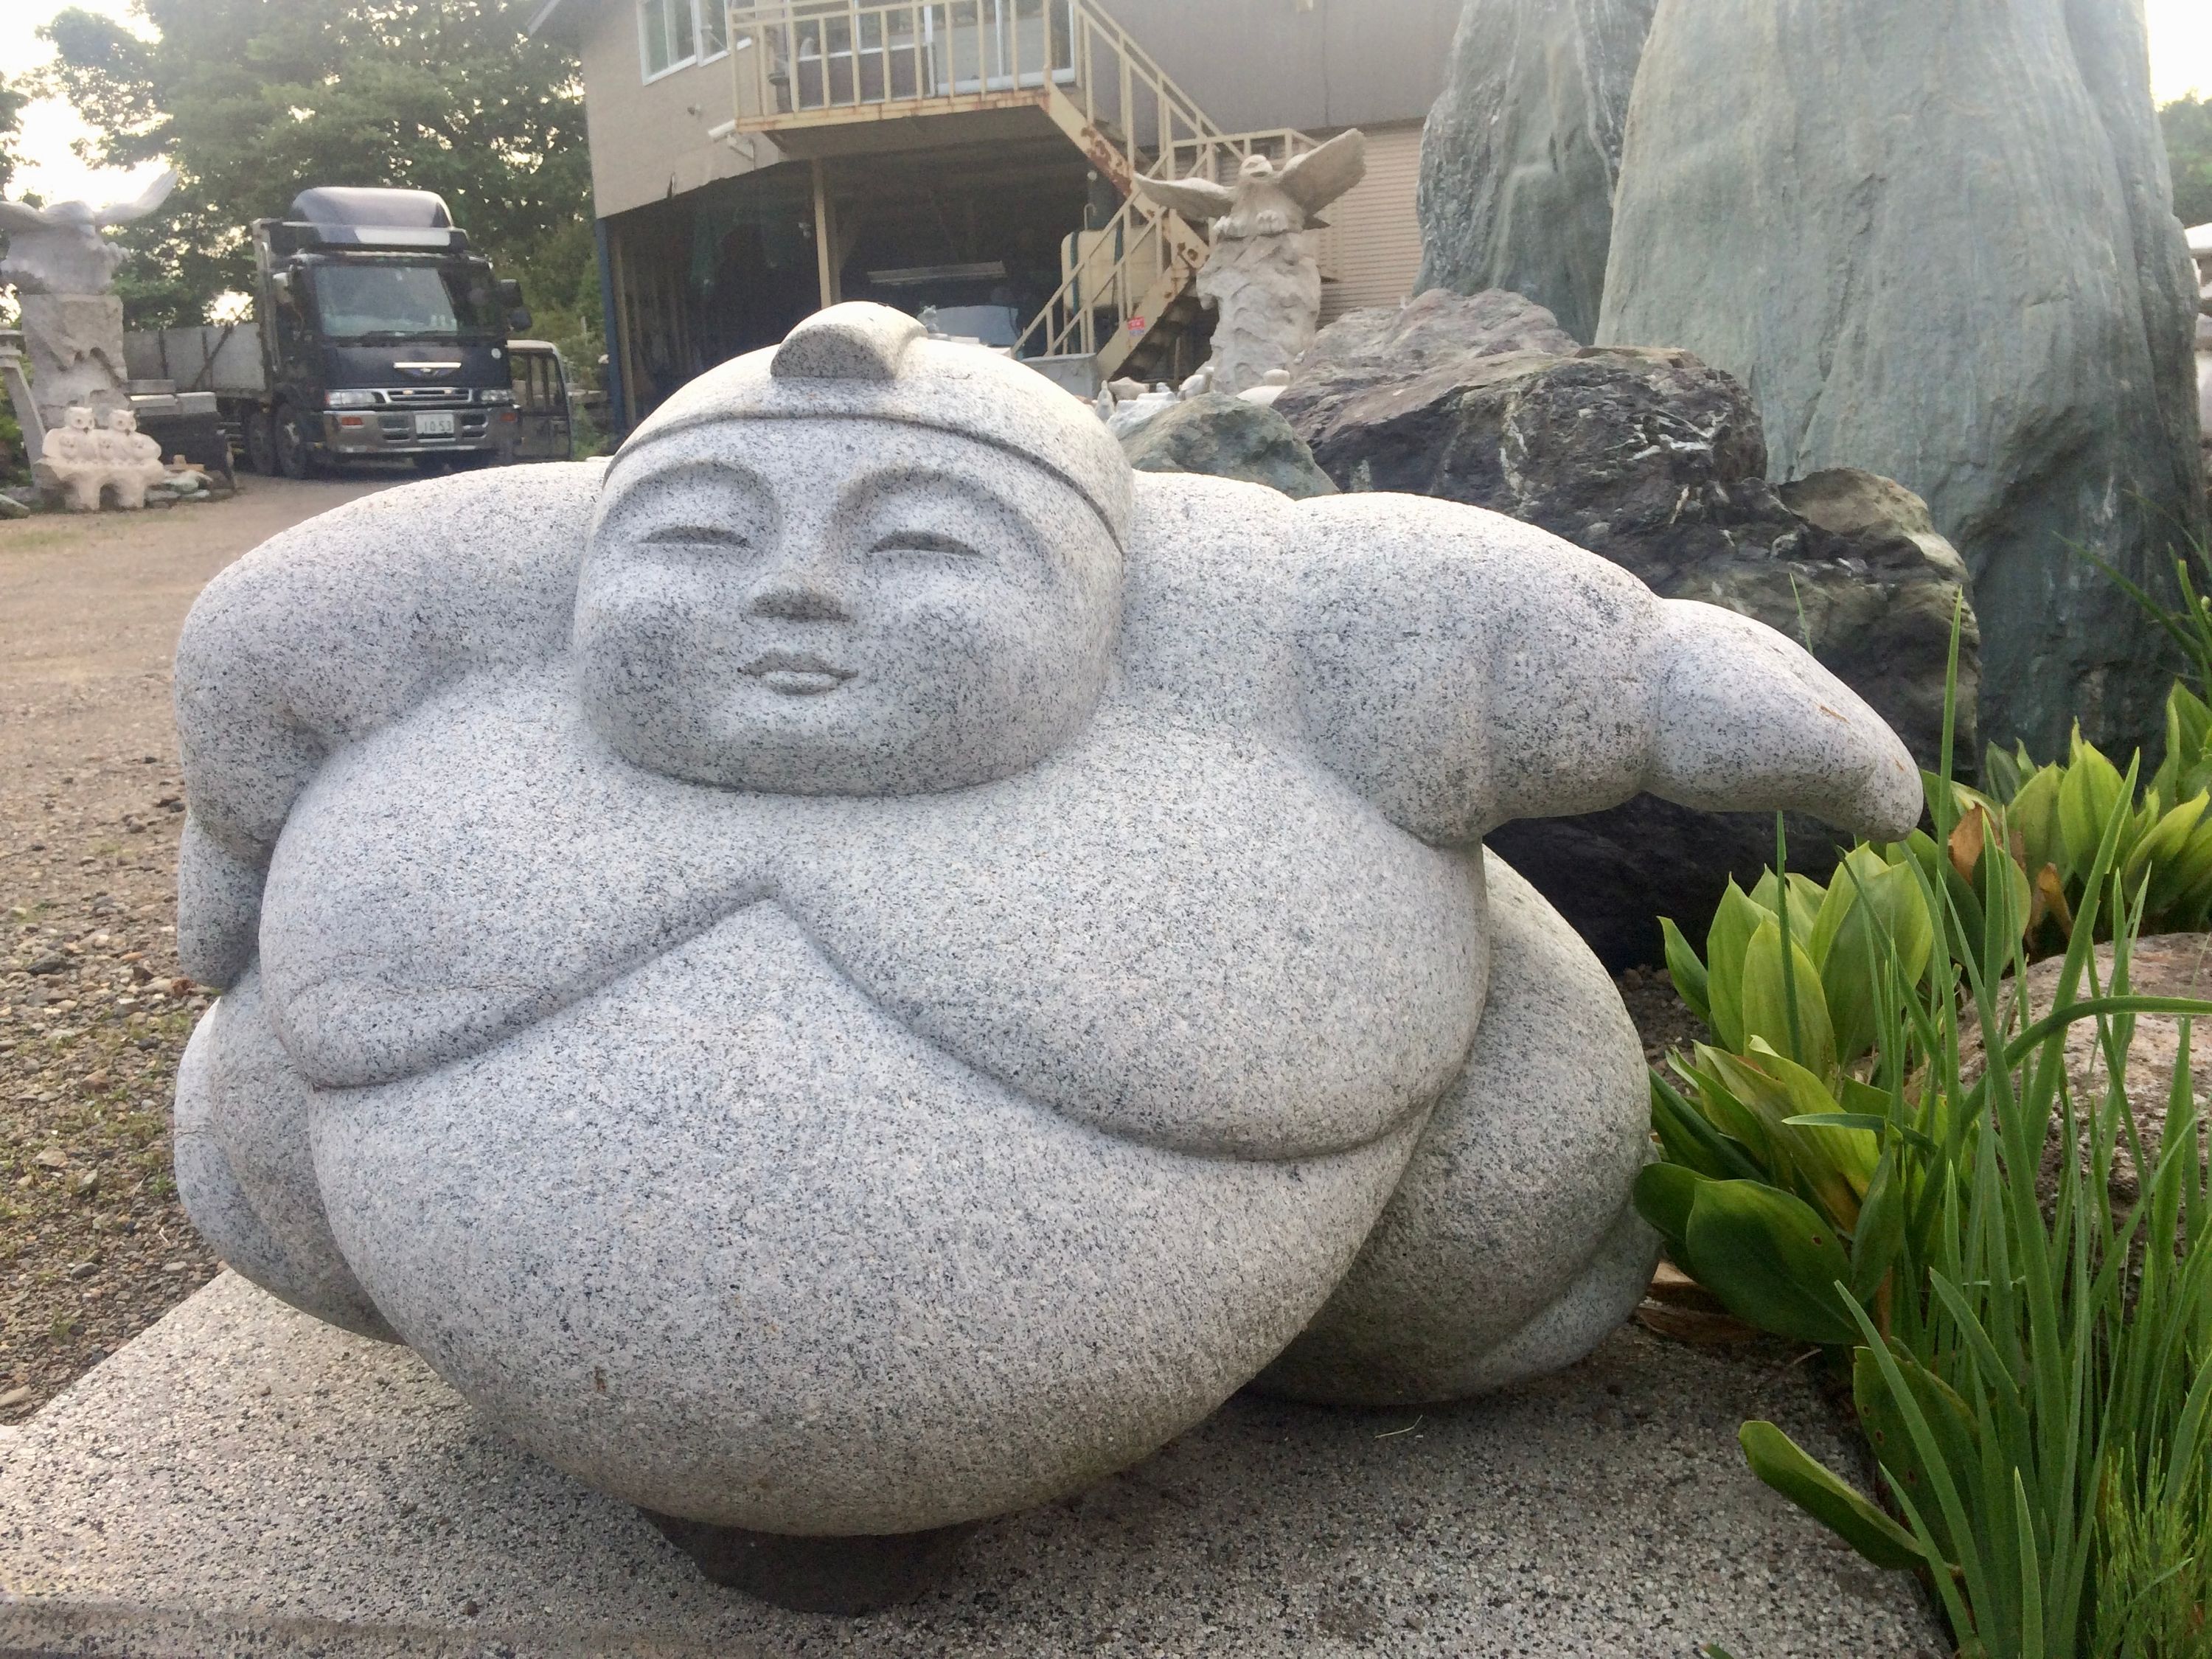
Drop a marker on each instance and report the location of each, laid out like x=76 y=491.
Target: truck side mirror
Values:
x=510 y=294
x=518 y=320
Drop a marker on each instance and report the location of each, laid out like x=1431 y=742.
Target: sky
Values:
x=2180 y=62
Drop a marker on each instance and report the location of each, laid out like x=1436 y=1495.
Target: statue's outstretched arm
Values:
x=335 y=627
x=1463 y=670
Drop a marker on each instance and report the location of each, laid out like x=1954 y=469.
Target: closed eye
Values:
x=922 y=541
x=692 y=535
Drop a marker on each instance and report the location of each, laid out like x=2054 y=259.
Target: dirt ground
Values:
x=94 y=1007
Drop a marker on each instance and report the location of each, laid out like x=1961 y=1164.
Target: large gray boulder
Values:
x=1657 y=462
x=1521 y=151
x=1935 y=241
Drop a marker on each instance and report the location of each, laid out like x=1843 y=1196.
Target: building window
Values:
x=672 y=33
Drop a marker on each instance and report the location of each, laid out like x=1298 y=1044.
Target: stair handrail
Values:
x=1068 y=324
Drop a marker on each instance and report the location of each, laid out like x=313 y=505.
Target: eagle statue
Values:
x=1267 y=200
x=59 y=249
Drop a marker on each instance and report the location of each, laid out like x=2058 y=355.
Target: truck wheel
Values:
x=294 y=456
x=260 y=443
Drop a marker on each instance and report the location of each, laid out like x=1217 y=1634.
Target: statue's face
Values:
x=79 y=418
x=842 y=607
x=122 y=419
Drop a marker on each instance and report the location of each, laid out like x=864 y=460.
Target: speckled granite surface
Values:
x=865 y=968
x=243 y=1480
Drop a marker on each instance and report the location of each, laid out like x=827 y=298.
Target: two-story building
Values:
x=973 y=160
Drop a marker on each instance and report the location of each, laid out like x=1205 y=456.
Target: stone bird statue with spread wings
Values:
x=1268 y=201
x=59 y=249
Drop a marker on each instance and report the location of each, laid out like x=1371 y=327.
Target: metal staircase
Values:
x=804 y=66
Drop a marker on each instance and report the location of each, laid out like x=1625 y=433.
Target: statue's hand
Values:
x=1746 y=720
x=1271 y=221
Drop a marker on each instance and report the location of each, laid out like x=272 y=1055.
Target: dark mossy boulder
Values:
x=1226 y=437
x=1657 y=462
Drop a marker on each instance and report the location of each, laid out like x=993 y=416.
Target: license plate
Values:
x=433 y=426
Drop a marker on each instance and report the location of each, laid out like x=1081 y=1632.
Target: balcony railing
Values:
x=818 y=62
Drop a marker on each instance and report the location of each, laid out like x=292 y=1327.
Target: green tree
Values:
x=253 y=102
x=13 y=97
x=2188 y=125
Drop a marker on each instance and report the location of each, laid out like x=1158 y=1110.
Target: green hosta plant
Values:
x=2054 y=816
x=1836 y=1171
x=1774 y=1134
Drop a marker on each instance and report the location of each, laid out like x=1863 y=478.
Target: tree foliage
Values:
x=2188 y=125
x=253 y=101
x=12 y=100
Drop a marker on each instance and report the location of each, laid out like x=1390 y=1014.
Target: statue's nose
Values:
x=798 y=590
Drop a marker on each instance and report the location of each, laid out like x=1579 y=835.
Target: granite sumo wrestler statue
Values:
x=863 y=966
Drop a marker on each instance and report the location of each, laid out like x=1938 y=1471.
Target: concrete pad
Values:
x=243 y=1479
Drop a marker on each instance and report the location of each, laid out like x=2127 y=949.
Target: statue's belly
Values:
x=1183 y=935
x=725 y=1239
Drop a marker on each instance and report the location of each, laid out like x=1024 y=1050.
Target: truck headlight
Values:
x=495 y=397
x=354 y=397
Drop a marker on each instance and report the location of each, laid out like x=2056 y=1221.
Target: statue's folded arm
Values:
x=327 y=632
x=1463 y=670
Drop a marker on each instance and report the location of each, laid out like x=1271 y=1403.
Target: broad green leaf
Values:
x=1830 y=1163
x=1879 y=1238
x=2034 y=817
x=1664 y=1195
x=2001 y=880
x=1690 y=1139
x=1766 y=1006
x=1686 y=970
x=1867 y=897
x=1825 y=1167
x=1805 y=895
x=1784 y=1465
x=1733 y=923
x=2159 y=854
x=1771 y=1259
x=1950 y=1422
x=2088 y=796
x=2003 y=772
x=1725 y=1105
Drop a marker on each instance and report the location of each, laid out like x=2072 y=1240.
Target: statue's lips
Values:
x=797 y=674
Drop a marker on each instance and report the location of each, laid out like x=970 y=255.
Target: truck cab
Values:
x=381 y=336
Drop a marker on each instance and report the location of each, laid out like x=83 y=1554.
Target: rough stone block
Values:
x=243 y=1479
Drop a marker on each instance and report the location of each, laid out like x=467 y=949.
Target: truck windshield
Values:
x=359 y=301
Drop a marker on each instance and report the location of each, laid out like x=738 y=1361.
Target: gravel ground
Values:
x=94 y=1007
x=1663 y=1019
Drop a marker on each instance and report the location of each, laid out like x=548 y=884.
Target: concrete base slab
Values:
x=242 y=1480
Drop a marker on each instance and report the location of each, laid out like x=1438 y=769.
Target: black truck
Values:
x=374 y=332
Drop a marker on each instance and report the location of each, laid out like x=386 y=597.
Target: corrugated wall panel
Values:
x=1373 y=244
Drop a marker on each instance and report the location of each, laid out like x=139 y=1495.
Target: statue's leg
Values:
x=244 y=1169
x=1511 y=1247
